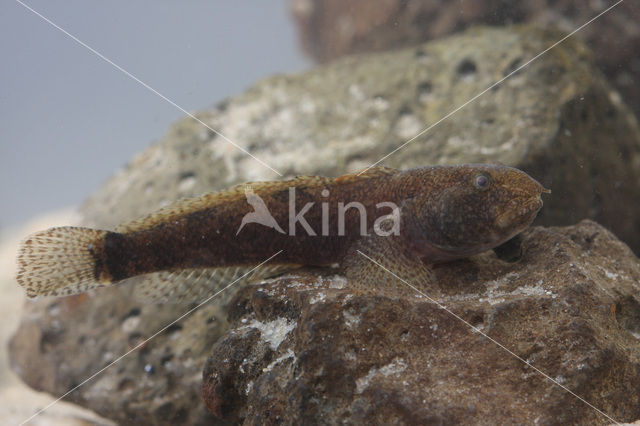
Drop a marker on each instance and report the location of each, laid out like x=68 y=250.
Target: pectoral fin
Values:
x=381 y=265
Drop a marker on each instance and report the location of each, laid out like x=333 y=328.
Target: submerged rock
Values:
x=329 y=29
x=557 y=119
x=304 y=349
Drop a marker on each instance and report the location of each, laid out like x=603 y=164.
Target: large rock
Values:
x=306 y=350
x=557 y=119
x=329 y=29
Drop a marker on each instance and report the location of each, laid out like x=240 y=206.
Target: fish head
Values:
x=473 y=208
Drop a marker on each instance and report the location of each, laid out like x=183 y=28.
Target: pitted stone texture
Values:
x=568 y=306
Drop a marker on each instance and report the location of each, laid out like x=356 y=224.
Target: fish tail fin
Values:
x=60 y=261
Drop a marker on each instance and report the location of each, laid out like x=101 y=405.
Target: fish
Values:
x=409 y=220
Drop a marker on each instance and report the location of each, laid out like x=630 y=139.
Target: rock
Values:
x=60 y=343
x=329 y=29
x=331 y=120
x=304 y=349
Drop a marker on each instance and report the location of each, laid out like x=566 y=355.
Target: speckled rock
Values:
x=329 y=29
x=558 y=120
x=304 y=349
x=61 y=343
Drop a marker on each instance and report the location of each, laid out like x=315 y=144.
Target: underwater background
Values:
x=281 y=79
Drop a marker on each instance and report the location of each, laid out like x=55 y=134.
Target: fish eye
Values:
x=482 y=181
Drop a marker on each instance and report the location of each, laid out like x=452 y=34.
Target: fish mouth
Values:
x=520 y=214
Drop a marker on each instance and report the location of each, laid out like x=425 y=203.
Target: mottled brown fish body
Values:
x=210 y=238
x=435 y=214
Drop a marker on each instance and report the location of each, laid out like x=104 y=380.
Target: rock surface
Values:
x=304 y=349
x=558 y=120
x=329 y=29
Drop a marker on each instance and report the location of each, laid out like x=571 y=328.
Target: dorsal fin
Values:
x=378 y=171
x=180 y=207
x=177 y=209
x=373 y=172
